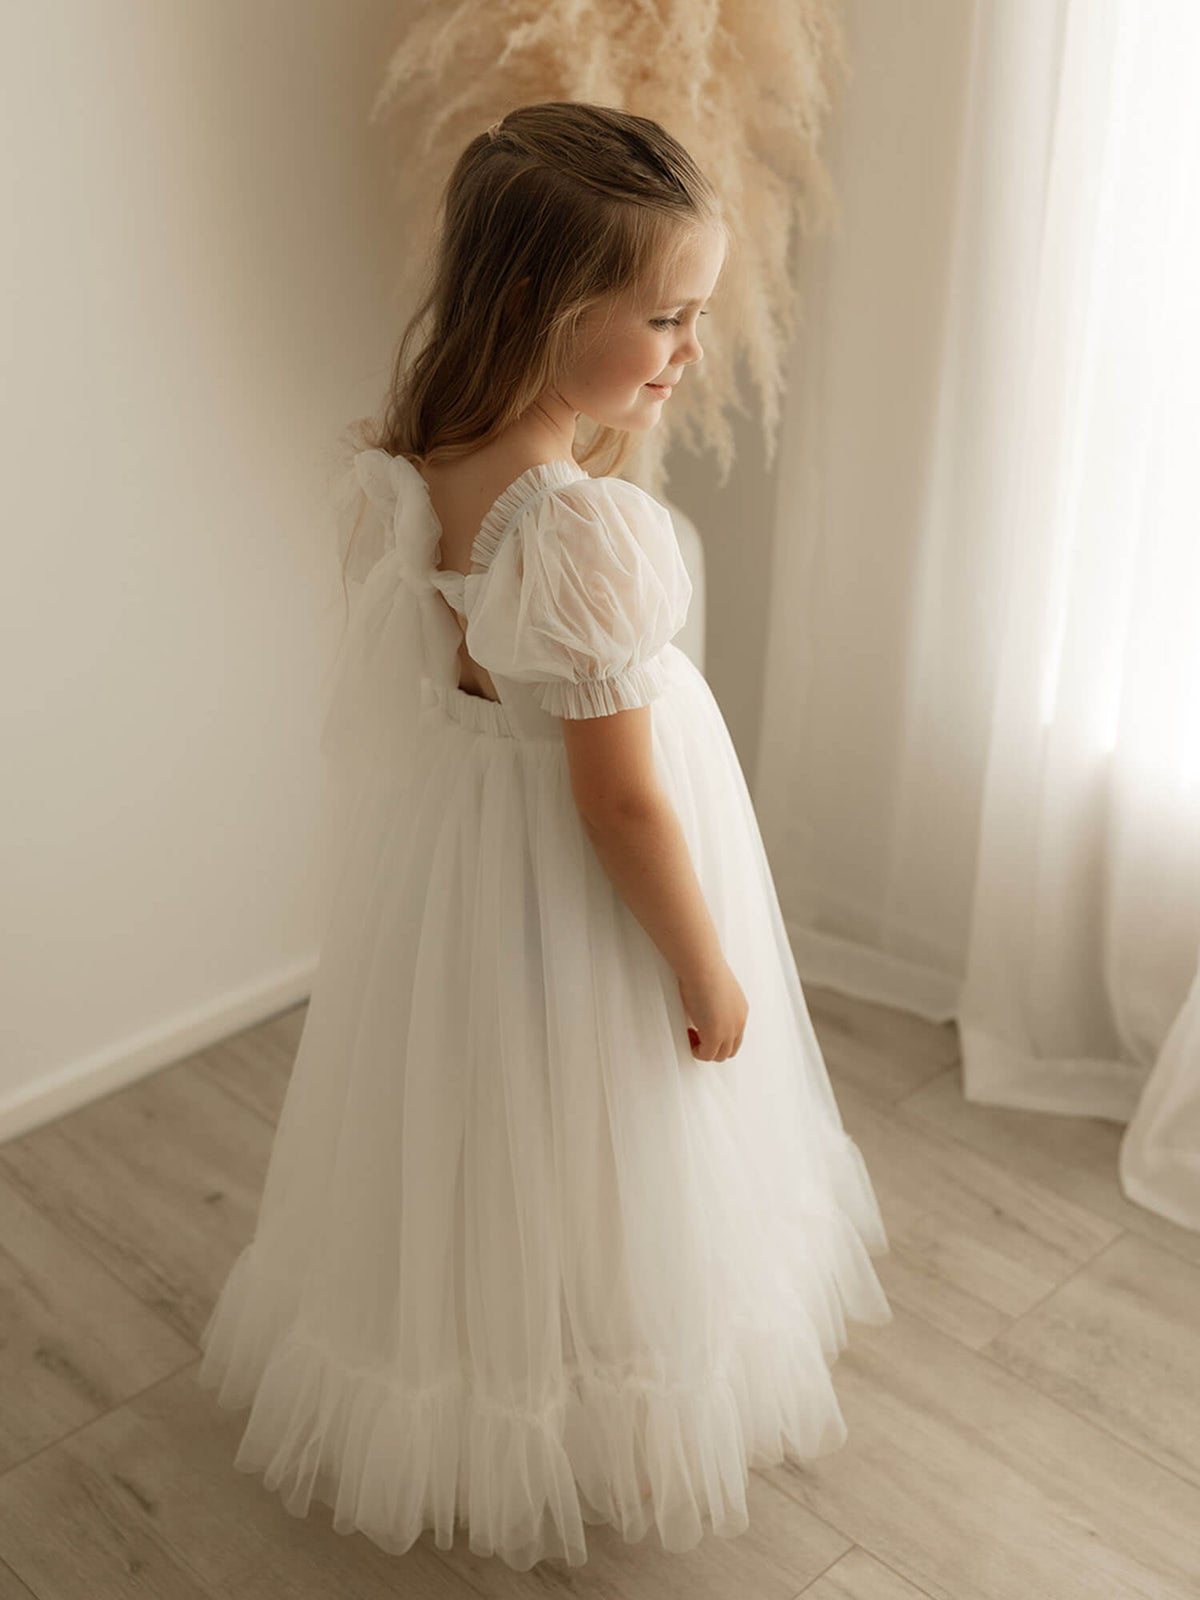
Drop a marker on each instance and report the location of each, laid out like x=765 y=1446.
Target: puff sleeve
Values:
x=583 y=592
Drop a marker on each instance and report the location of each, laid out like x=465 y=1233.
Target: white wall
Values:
x=735 y=525
x=198 y=240
x=862 y=376
x=196 y=243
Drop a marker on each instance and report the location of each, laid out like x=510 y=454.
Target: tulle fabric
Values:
x=581 y=597
x=517 y=1249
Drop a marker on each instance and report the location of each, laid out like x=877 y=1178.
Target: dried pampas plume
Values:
x=742 y=84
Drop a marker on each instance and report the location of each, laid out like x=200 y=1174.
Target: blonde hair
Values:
x=552 y=210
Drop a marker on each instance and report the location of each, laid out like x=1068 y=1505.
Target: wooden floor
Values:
x=1028 y=1428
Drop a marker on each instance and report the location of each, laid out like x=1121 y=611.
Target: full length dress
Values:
x=517 y=1247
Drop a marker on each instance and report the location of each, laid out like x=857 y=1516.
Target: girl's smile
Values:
x=651 y=329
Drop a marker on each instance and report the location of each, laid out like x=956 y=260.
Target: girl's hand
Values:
x=717 y=1009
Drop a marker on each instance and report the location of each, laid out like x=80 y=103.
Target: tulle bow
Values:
x=395 y=491
x=399 y=630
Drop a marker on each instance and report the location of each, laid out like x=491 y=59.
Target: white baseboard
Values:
x=57 y=1094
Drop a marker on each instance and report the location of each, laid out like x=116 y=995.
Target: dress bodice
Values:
x=400 y=497
x=401 y=556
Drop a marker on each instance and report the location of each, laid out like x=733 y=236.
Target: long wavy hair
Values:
x=558 y=207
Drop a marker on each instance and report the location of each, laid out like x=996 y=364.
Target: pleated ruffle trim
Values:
x=531 y=485
x=392 y=1460
x=636 y=685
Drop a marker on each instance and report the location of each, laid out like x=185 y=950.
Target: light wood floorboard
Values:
x=1028 y=1428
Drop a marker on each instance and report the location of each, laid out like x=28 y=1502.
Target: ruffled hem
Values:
x=392 y=1459
x=600 y=697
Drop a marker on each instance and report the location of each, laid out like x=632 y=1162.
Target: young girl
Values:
x=561 y=1224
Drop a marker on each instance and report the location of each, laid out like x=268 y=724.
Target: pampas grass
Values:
x=743 y=84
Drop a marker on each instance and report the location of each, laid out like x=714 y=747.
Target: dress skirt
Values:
x=519 y=1253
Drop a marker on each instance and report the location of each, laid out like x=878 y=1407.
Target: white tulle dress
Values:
x=519 y=1253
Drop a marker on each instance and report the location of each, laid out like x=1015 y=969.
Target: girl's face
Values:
x=633 y=350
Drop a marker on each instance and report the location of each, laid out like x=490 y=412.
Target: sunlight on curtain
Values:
x=979 y=769
x=1130 y=319
x=1086 y=916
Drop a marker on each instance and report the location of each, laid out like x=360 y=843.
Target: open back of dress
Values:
x=449 y=583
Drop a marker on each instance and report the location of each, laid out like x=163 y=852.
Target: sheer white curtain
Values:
x=1021 y=848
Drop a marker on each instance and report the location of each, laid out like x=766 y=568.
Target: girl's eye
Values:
x=669 y=322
